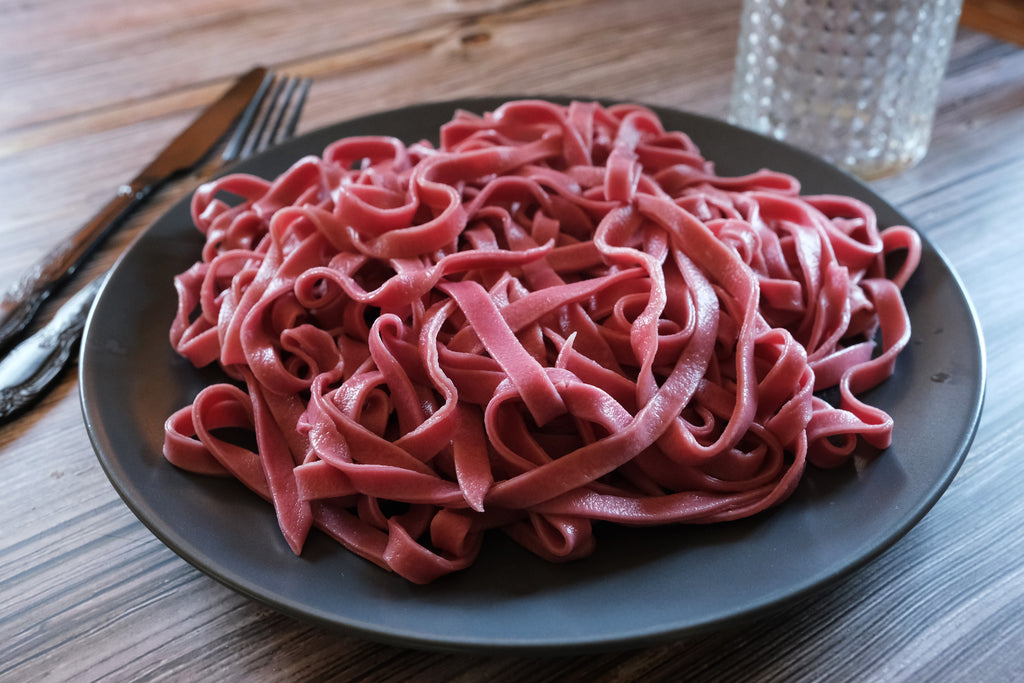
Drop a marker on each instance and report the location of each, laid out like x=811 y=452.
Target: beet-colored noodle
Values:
x=560 y=315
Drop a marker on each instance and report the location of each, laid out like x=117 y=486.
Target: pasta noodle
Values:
x=557 y=317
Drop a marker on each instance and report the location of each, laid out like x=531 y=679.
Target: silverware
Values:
x=31 y=367
x=22 y=301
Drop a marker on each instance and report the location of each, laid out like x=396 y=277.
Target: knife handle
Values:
x=22 y=300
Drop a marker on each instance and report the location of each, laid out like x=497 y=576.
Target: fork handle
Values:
x=33 y=365
x=22 y=300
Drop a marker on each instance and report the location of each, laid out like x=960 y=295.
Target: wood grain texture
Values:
x=1001 y=18
x=92 y=88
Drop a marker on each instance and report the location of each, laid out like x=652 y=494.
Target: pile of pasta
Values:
x=559 y=316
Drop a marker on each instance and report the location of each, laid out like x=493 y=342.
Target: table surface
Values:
x=93 y=88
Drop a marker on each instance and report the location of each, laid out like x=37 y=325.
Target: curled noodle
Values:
x=558 y=316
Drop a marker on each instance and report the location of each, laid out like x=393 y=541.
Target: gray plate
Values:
x=641 y=585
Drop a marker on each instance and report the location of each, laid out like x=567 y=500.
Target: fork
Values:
x=31 y=367
x=268 y=120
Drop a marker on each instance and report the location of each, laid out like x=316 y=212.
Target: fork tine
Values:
x=288 y=86
x=277 y=107
x=300 y=103
x=241 y=132
x=282 y=115
x=271 y=118
x=254 y=143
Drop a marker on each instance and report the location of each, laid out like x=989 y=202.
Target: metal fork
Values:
x=271 y=117
x=31 y=367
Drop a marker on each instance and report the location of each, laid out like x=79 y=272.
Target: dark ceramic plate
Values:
x=641 y=586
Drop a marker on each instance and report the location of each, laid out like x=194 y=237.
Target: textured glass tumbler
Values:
x=853 y=81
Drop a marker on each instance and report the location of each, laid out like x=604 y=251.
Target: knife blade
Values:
x=22 y=300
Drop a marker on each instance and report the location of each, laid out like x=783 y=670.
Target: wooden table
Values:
x=92 y=88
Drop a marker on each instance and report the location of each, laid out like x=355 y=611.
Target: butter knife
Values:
x=22 y=301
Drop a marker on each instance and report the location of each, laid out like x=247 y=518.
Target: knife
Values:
x=22 y=301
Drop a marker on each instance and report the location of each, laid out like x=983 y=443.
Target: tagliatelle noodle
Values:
x=560 y=315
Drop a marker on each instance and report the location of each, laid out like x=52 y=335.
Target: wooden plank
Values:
x=1003 y=19
x=93 y=87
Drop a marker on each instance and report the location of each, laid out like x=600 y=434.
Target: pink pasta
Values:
x=560 y=316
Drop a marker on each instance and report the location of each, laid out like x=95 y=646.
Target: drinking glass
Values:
x=854 y=81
